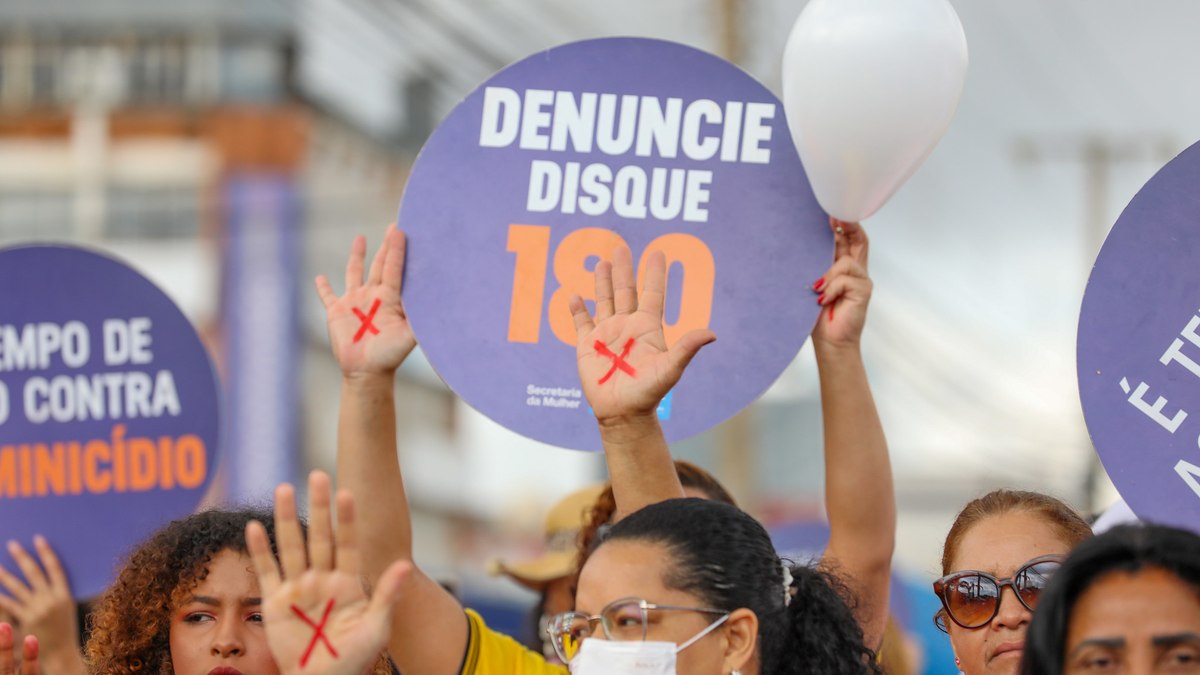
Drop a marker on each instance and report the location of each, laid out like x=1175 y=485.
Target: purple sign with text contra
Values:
x=108 y=409
x=553 y=162
x=1139 y=348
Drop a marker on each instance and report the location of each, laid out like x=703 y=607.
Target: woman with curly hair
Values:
x=188 y=602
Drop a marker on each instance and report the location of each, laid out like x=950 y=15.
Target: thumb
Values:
x=389 y=591
x=684 y=349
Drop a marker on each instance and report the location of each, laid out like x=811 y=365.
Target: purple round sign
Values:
x=108 y=409
x=1139 y=348
x=556 y=160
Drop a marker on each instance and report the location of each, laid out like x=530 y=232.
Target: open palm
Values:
x=368 y=327
x=625 y=364
x=317 y=617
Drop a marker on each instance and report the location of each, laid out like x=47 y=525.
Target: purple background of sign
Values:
x=91 y=533
x=769 y=239
x=1144 y=288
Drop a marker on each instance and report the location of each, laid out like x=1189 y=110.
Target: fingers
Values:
x=389 y=590
x=7 y=665
x=54 y=570
x=320 y=536
x=29 y=656
x=393 y=266
x=265 y=565
x=348 y=560
x=13 y=585
x=33 y=573
x=654 y=292
x=325 y=291
x=354 y=264
x=850 y=239
x=686 y=347
x=623 y=284
x=604 y=290
x=288 y=537
x=375 y=275
x=845 y=273
x=579 y=313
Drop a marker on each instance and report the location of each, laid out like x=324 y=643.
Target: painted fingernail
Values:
x=821 y=299
x=820 y=282
x=831 y=312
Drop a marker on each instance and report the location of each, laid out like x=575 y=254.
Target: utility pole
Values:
x=1097 y=155
x=737 y=451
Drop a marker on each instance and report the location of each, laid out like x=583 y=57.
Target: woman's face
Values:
x=1000 y=545
x=624 y=569
x=1145 y=622
x=218 y=629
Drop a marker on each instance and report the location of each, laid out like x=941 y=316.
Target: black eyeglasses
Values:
x=972 y=599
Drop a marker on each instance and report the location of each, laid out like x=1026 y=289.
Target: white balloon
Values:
x=869 y=87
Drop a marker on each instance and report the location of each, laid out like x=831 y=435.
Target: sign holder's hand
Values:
x=625 y=364
x=368 y=328
x=43 y=606
x=30 y=664
x=318 y=618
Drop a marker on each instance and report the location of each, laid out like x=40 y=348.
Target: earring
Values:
x=957 y=662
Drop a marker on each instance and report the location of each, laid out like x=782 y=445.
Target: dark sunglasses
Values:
x=971 y=598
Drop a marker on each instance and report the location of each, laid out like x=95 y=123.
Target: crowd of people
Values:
x=662 y=572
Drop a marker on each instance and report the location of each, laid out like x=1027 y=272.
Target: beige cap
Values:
x=563 y=523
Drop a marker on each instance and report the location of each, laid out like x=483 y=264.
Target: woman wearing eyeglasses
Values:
x=694 y=586
x=1126 y=601
x=1001 y=550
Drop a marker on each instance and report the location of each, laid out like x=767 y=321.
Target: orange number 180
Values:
x=531 y=244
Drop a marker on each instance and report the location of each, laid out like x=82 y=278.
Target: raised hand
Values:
x=29 y=654
x=368 y=328
x=625 y=364
x=42 y=606
x=318 y=618
x=845 y=289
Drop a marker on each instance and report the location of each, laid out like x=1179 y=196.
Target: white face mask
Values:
x=608 y=657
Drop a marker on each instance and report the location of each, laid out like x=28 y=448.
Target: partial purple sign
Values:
x=553 y=162
x=108 y=409
x=1139 y=348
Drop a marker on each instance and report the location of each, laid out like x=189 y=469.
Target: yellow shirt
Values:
x=491 y=653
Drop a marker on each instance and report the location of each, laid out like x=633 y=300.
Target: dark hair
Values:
x=601 y=515
x=130 y=629
x=1126 y=548
x=725 y=557
x=1061 y=517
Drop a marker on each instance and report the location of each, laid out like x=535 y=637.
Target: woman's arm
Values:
x=429 y=630
x=859 y=496
x=626 y=368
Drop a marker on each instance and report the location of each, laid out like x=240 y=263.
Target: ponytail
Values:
x=817 y=631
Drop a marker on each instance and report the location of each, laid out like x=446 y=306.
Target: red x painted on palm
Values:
x=619 y=362
x=367 y=325
x=318 y=628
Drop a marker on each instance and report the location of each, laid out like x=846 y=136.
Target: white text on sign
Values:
x=1180 y=353
x=620 y=125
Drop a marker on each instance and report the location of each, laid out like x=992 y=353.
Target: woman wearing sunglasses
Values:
x=999 y=554
x=1126 y=601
